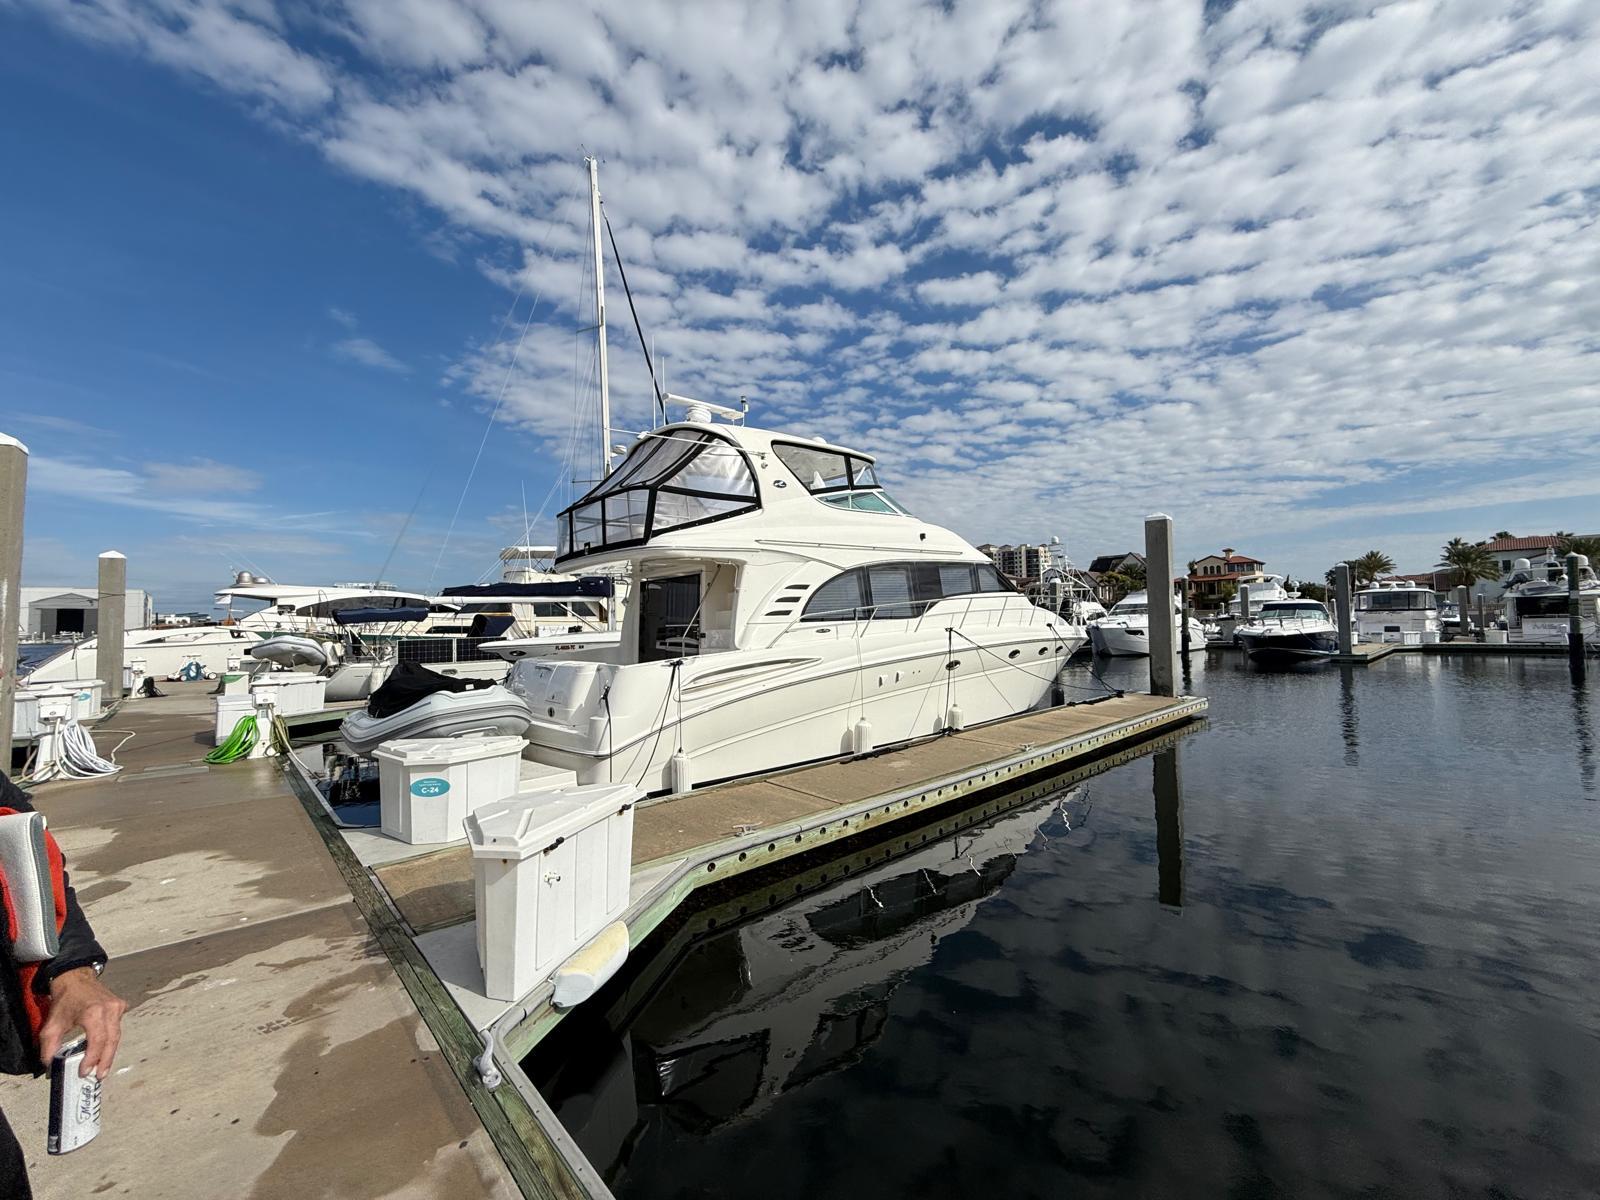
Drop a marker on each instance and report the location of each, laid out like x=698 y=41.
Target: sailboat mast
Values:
x=600 y=319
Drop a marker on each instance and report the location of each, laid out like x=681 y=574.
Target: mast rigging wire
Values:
x=661 y=403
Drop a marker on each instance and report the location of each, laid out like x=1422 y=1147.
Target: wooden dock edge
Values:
x=532 y=1018
x=540 y=1155
x=529 y=1141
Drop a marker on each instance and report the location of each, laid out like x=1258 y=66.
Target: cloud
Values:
x=367 y=352
x=199 y=477
x=92 y=483
x=1061 y=263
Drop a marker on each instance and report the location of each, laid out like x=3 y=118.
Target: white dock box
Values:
x=229 y=710
x=294 y=691
x=428 y=786
x=549 y=871
x=25 y=718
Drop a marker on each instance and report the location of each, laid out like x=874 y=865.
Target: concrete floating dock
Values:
x=266 y=1038
x=306 y=1010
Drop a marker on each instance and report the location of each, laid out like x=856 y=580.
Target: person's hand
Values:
x=79 y=1000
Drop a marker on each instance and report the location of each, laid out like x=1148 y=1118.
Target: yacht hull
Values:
x=1289 y=647
x=164 y=652
x=748 y=712
x=1117 y=641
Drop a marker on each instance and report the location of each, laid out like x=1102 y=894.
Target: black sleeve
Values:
x=78 y=945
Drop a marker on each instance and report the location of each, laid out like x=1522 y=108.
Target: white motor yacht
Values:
x=163 y=653
x=1390 y=610
x=1125 y=631
x=784 y=609
x=1289 y=632
x=1263 y=587
x=1536 y=601
x=304 y=608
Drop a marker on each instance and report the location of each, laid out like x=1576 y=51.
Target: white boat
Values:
x=416 y=703
x=1263 y=587
x=305 y=608
x=1289 y=632
x=1536 y=601
x=1397 y=611
x=164 y=653
x=1125 y=631
x=784 y=609
x=290 y=651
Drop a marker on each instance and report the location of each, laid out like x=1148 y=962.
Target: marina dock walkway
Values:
x=269 y=1050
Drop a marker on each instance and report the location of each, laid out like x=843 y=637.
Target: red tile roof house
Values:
x=1210 y=573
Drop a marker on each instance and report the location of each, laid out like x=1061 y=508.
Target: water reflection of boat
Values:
x=765 y=1007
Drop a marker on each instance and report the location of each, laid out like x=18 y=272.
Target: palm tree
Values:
x=1468 y=563
x=1572 y=543
x=1497 y=535
x=1370 y=566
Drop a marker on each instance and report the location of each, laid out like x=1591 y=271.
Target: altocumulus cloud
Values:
x=1061 y=261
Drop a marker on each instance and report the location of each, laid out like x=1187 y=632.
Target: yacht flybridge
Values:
x=784 y=608
x=1391 y=609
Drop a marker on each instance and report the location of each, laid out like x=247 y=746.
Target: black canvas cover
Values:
x=589 y=586
x=409 y=682
x=380 y=616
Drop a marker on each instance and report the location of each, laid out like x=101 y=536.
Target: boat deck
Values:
x=265 y=1027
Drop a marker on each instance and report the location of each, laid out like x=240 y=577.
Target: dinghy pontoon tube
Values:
x=415 y=702
x=290 y=650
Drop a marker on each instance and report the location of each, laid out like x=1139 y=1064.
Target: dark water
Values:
x=1343 y=941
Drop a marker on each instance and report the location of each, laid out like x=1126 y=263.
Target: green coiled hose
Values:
x=239 y=744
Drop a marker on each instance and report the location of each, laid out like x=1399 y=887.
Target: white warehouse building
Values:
x=50 y=612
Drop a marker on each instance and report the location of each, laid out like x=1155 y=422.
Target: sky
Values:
x=304 y=288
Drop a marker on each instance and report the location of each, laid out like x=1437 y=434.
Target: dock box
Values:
x=229 y=710
x=428 y=786
x=25 y=715
x=549 y=871
x=294 y=691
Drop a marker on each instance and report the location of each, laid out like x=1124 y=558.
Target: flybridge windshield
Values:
x=834 y=477
x=822 y=470
x=1300 y=611
x=1396 y=601
x=669 y=482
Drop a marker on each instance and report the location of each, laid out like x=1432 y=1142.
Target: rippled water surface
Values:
x=1342 y=941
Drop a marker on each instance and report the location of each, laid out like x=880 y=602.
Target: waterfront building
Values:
x=1215 y=573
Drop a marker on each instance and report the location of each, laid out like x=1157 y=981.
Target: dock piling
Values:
x=1483 y=617
x=1575 y=661
x=109 y=634
x=13 y=490
x=1158 y=587
x=1464 y=610
x=1169 y=828
x=1341 y=607
x=1244 y=604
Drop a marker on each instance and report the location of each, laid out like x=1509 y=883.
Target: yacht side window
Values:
x=898 y=591
x=891 y=592
x=840 y=599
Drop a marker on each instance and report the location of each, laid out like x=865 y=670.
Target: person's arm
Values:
x=72 y=978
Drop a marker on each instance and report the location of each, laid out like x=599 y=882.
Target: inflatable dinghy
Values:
x=288 y=650
x=415 y=702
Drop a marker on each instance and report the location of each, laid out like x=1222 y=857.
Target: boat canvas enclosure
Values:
x=669 y=481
